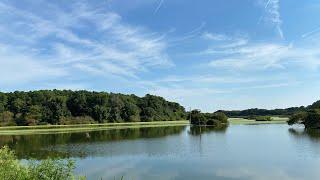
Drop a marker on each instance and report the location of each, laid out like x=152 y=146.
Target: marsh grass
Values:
x=243 y=121
x=49 y=129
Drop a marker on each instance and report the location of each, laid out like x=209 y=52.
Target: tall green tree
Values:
x=100 y=113
x=77 y=104
x=56 y=109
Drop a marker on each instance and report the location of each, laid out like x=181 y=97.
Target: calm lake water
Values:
x=238 y=152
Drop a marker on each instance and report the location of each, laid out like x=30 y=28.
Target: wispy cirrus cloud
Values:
x=159 y=6
x=311 y=33
x=21 y=65
x=80 y=38
x=241 y=53
x=214 y=36
x=253 y=57
x=194 y=33
x=264 y=56
x=272 y=15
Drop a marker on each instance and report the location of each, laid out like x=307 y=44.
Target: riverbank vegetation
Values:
x=53 y=129
x=243 y=121
x=217 y=119
x=83 y=107
x=310 y=119
x=49 y=169
x=260 y=118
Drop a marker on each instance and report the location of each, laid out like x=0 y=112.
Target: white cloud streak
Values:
x=110 y=47
x=242 y=54
x=158 y=7
x=272 y=15
x=214 y=37
x=189 y=35
x=19 y=65
x=311 y=33
x=263 y=56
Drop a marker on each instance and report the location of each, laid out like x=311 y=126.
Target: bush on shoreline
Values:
x=262 y=118
x=310 y=119
x=49 y=169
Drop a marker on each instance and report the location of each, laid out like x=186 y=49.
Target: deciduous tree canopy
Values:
x=211 y=119
x=310 y=119
x=74 y=107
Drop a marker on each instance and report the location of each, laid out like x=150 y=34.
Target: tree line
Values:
x=263 y=112
x=309 y=116
x=77 y=107
x=274 y=112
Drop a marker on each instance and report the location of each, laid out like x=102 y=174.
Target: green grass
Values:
x=49 y=129
x=242 y=121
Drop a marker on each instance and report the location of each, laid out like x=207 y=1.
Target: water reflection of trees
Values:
x=42 y=146
x=313 y=134
x=198 y=130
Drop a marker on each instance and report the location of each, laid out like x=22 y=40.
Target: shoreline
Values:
x=242 y=121
x=77 y=128
x=52 y=129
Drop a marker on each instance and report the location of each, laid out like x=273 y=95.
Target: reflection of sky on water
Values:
x=240 y=152
x=243 y=152
x=140 y=167
x=266 y=173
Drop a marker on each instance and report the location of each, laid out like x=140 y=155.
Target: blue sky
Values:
x=208 y=54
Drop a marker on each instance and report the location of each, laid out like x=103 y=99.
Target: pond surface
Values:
x=182 y=152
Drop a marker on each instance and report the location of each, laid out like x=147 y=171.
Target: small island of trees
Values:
x=217 y=119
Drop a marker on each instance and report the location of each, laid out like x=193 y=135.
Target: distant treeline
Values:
x=76 y=107
x=274 y=112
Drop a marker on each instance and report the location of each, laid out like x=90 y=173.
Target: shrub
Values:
x=263 y=118
x=77 y=120
x=220 y=117
x=50 y=169
x=10 y=167
x=6 y=118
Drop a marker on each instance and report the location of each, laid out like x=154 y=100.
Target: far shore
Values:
x=243 y=121
x=50 y=129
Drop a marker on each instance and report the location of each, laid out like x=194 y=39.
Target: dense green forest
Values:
x=275 y=112
x=75 y=107
x=263 y=112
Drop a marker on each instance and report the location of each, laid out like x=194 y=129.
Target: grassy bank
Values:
x=49 y=129
x=242 y=121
